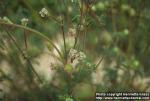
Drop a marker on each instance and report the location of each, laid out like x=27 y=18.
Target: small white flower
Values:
x=6 y=19
x=24 y=21
x=44 y=12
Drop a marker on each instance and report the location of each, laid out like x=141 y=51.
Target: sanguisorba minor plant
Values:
x=72 y=80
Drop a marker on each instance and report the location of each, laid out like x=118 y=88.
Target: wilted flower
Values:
x=44 y=12
x=24 y=21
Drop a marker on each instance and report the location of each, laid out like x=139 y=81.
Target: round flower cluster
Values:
x=24 y=21
x=6 y=20
x=75 y=57
x=44 y=12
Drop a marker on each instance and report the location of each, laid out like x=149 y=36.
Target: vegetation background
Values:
x=39 y=51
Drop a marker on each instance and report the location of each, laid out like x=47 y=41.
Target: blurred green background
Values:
x=115 y=30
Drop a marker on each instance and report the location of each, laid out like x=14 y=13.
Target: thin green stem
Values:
x=64 y=39
x=25 y=39
x=54 y=18
x=99 y=62
x=85 y=29
x=27 y=59
x=79 y=25
x=33 y=31
x=96 y=18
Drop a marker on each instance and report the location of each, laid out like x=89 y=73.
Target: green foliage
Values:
x=97 y=46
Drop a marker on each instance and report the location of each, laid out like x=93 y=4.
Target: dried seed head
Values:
x=24 y=21
x=44 y=12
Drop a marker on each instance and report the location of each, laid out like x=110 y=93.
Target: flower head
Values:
x=44 y=12
x=75 y=57
x=24 y=21
x=72 y=52
x=6 y=19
